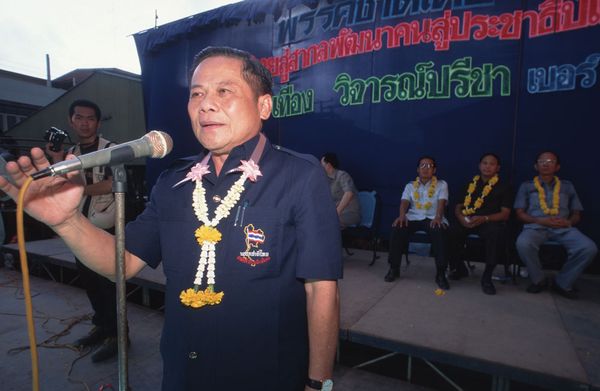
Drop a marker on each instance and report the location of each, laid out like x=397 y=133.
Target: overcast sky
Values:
x=83 y=33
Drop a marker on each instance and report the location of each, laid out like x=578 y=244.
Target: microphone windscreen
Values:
x=161 y=142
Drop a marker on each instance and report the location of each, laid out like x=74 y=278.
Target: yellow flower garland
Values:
x=200 y=298
x=430 y=193
x=542 y=196
x=208 y=234
x=479 y=201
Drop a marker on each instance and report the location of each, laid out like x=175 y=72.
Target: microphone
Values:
x=155 y=144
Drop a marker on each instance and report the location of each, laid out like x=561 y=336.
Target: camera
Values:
x=56 y=137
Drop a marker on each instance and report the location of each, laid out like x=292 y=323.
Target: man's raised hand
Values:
x=52 y=200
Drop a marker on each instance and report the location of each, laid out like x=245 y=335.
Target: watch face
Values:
x=327 y=385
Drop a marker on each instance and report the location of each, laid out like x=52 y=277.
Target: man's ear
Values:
x=265 y=106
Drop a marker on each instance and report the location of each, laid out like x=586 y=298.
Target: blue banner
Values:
x=382 y=82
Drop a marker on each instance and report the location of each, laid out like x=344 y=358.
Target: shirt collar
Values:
x=333 y=174
x=424 y=184
x=241 y=152
x=543 y=183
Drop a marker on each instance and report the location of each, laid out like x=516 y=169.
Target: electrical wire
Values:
x=52 y=343
x=35 y=381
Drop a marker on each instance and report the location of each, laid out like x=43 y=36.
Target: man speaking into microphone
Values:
x=247 y=235
x=98 y=205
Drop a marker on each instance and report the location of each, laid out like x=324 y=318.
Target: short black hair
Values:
x=426 y=157
x=331 y=158
x=490 y=154
x=85 y=103
x=548 y=151
x=256 y=75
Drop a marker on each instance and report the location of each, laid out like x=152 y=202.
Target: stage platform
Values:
x=62 y=315
x=542 y=340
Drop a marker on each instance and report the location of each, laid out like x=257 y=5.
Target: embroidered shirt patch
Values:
x=253 y=255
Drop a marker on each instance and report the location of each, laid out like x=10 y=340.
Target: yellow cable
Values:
x=26 y=289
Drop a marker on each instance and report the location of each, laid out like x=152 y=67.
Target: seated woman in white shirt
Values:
x=422 y=208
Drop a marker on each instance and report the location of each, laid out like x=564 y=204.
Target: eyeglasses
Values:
x=426 y=165
x=546 y=161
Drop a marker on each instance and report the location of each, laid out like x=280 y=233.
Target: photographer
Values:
x=98 y=205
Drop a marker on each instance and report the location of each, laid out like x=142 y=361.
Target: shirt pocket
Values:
x=254 y=246
x=177 y=225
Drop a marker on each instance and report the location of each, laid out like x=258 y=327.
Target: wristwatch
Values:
x=324 y=385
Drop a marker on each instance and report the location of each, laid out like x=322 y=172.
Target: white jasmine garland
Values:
x=207 y=255
x=207 y=235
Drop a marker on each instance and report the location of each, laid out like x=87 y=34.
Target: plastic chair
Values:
x=417 y=237
x=369 y=223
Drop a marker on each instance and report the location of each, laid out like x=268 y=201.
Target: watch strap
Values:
x=314 y=384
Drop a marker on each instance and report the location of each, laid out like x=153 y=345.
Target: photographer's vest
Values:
x=101 y=211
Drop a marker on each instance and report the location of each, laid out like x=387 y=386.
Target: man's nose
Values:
x=208 y=103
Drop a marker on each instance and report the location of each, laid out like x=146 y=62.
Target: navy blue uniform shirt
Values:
x=257 y=338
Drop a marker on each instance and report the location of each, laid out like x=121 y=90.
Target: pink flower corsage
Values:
x=195 y=174
x=249 y=168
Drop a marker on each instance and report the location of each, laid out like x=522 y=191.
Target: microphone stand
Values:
x=119 y=188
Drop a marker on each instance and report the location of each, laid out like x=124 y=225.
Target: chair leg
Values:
x=469 y=266
x=507 y=272
x=405 y=250
x=375 y=256
x=348 y=251
x=513 y=267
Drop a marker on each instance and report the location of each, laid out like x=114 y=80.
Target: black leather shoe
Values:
x=94 y=337
x=563 y=292
x=488 y=288
x=392 y=274
x=442 y=282
x=109 y=349
x=537 y=288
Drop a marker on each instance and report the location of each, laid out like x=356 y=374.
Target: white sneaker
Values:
x=523 y=272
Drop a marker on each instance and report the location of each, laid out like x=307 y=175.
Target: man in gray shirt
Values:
x=550 y=208
x=343 y=191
